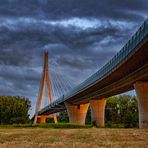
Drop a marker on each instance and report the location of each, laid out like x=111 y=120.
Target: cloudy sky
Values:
x=80 y=35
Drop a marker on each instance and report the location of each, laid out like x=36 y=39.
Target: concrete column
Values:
x=55 y=118
x=35 y=119
x=43 y=119
x=77 y=113
x=97 y=111
x=142 y=96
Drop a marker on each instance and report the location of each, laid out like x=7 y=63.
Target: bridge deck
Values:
x=129 y=65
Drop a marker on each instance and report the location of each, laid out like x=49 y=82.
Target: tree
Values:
x=88 y=116
x=63 y=117
x=122 y=109
x=111 y=110
x=14 y=109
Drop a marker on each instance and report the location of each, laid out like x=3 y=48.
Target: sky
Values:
x=80 y=36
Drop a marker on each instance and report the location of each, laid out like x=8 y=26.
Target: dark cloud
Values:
x=55 y=9
x=80 y=35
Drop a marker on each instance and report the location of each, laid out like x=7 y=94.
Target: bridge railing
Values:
x=129 y=48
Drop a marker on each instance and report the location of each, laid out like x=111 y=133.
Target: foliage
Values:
x=63 y=117
x=14 y=109
x=88 y=116
x=94 y=123
x=122 y=110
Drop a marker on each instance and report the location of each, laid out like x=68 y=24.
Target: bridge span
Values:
x=127 y=70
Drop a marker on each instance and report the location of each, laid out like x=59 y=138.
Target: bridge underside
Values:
x=129 y=73
x=120 y=80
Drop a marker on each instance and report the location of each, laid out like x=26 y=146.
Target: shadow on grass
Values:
x=50 y=125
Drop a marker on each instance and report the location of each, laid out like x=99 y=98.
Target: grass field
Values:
x=73 y=138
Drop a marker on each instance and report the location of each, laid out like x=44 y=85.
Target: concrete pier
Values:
x=141 y=89
x=98 y=111
x=77 y=113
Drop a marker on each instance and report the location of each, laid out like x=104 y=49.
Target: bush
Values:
x=94 y=123
x=108 y=124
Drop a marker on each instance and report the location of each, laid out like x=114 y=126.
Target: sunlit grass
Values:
x=88 y=137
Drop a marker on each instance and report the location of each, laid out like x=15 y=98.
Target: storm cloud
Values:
x=80 y=35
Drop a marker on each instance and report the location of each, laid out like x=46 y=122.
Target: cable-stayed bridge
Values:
x=127 y=70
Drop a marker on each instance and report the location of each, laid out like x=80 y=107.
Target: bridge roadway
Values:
x=128 y=66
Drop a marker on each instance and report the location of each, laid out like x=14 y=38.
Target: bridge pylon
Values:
x=45 y=81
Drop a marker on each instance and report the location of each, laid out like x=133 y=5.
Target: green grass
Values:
x=51 y=125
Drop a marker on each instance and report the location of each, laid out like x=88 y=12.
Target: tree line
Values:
x=14 y=109
x=120 y=110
